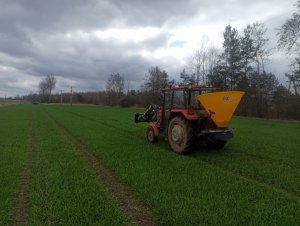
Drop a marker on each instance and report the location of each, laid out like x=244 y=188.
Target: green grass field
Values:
x=254 y=180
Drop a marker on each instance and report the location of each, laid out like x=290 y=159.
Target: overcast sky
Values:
x=82 y=42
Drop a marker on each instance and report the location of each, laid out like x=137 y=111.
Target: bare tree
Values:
x=260 y=42
x=114 y=88
x=46 y=87
x=196 y=64
x=212 y=54
x=202 y=63
x=289 y=32
x=43 y=89
x=115 y=84
x=51 y=82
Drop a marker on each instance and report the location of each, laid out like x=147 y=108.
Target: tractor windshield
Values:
x=179 y=99
x=175 y=99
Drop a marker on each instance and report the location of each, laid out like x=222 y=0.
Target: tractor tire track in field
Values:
x=249 y=177
x=121 y=129
x=245 y=155
x=266 y=160
x=253 y=179
x=132 y=209
x=21 y=206
x=242 y=154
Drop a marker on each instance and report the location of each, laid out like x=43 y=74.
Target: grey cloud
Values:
x=156 y=12
x=34 y=42
x=16 y=45
x=87 y=59
x=49 y=16
x=161 y=40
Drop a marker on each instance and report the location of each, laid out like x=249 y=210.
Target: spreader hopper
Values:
x=221 y=105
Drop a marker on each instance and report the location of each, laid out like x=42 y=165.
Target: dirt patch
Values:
x=21 y=206
x=138 y=213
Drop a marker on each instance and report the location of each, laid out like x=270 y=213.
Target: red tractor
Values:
x=190 y=115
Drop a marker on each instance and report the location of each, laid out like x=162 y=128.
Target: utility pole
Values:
x=60 y=96
x=71 y=97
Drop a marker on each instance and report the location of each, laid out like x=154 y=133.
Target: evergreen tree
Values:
x=247 y=50
x=155 y=80
x=231 y=64
x=186 y=78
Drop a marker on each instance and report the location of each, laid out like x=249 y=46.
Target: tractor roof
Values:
x=192 y=87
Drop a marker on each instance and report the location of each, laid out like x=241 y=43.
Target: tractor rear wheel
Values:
x=180 y=135
x=151 y=135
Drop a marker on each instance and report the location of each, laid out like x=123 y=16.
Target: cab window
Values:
x=179 y=99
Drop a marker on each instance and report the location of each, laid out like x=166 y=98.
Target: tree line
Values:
x=240 y=65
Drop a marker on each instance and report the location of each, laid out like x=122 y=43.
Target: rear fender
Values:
x=186 y=114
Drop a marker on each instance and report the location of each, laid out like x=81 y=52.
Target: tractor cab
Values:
x=182 y=101
x=192 y=114
x=184 y=97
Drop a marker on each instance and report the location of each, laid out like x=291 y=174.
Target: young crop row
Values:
x=64 y=190
x=14 y=143
x=282 y=174
x=235 y=186
x=50 y=157
x=61 y=190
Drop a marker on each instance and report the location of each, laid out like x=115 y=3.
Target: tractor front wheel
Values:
x=180 y=135
x=151 y=135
